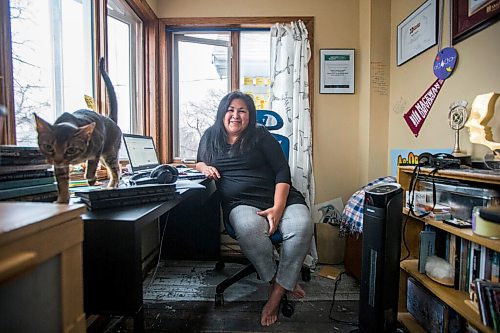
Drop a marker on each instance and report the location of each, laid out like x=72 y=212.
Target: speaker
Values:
x=162 y=174
x=379 y=287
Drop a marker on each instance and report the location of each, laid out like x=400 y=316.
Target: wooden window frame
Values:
x=165 y=142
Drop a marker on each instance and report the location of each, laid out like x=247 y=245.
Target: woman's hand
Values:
x=273 y=216
x=209 y=171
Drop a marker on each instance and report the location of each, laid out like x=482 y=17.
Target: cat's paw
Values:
x=91 y=181
x=62 y=200
x=113 y=184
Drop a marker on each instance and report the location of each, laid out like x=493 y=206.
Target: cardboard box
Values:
x=329 y=245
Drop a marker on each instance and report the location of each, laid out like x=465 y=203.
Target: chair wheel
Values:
x=219 y=265
x=306 y=274
x=219 y=300
x=287 y=308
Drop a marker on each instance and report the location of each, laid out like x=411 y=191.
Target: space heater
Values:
x=379 y=289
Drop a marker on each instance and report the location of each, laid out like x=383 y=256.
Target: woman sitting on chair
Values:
x=253 y=177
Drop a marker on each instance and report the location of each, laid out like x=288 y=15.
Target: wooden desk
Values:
x=112 y=262
x=41 y=287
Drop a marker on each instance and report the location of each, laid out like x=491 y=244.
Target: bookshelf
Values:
x=455 y=299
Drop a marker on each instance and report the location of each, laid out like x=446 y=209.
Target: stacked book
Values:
x=126 y=196
x=487 y=297
x=24 y=175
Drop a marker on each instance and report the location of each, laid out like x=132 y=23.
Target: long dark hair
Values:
x=216 y=136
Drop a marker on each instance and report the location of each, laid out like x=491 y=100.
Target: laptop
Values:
x=141 y=153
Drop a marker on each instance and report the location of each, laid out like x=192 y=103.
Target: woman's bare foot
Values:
x=270 y=311
x=297 y=292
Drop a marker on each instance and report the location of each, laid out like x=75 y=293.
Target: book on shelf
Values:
x=464 y=255
x=430 y=207
x=430 y=312
x=441 y=249
x=440 y=216
x=22 y=160
x=19 y=151
x=11 y=184
x=28 y=190
x=474 y=262
x=456 y=247
x=427 y=241
x=39 y=197
x=31 y=174
x=487 y=292
x=495 y=267
x=7 y=169
x=482 y=303
x=493 y=299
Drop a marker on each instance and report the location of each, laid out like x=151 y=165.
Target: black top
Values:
x=250 y=178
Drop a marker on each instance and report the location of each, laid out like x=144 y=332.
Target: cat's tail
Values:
x=113 y=103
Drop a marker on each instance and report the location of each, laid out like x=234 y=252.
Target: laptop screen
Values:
x=141 y=152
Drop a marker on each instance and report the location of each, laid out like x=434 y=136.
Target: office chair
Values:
x=272 y=121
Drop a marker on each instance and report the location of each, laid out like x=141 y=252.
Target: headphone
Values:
x=439 y=161
x=164 y=174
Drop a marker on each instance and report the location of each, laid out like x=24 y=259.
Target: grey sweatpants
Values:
x=252 y=235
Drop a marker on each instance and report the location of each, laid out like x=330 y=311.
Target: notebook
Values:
x=141 y=152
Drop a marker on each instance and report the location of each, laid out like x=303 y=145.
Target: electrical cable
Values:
x=159 y=251
x=413 y=185
x=404 y=238
x=411 y=199
x=330 y=316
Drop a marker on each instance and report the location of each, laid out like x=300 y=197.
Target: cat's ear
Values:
x=86 y=131
x=41 y=125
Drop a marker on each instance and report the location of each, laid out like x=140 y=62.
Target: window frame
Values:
x=180 y=36
x=168 y=25
x=136 y=74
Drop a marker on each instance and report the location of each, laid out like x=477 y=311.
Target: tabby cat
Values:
x=82 y=136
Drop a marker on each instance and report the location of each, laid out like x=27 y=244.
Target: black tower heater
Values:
x=379 y=290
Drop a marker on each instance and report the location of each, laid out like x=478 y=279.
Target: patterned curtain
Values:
x=290 y=54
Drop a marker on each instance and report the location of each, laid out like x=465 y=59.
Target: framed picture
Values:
x=336 y=73
x=471 y=16
x=417 y=32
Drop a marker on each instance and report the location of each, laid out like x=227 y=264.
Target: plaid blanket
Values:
x=352 y=216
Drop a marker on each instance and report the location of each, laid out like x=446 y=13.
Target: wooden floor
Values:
x=179 y=297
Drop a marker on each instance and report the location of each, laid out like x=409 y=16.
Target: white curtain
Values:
x=290 y=55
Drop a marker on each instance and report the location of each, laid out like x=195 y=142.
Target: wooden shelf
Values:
x=472 y=175
x=493 y=244
x=453 y=298
x=410 y=322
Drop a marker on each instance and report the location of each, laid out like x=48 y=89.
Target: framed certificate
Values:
x=473 y=16
x=336 y=73
x=417 y=32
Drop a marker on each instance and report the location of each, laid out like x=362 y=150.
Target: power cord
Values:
x=404 y=238
x=159 y=251
x=330 y=315
x=411 y=199
x=414 y=184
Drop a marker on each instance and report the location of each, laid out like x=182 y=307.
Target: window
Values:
x=201 y=78
x=125 y=61
x=51 y=72
x=201 y=68
x=255 y=70
x=55 y=45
